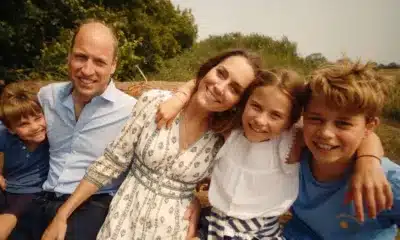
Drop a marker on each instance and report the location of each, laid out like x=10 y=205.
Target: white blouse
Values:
x=252 y=179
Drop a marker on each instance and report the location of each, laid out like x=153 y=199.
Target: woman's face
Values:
x=223 y=86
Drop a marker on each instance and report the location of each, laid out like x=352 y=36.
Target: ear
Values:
x=114 y=65
x=11 y=131
x=372 y=124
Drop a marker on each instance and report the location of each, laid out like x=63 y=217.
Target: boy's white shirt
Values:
x=252 y=180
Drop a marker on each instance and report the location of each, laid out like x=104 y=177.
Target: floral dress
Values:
x=152 y=200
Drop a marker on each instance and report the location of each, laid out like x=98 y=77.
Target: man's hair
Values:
x=112 y=30
x=17 y=102
x=352 y=86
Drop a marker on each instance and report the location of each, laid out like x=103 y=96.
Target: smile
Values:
x=211 y=95
x=326 y=147
x=256 y=129
x=86 y=81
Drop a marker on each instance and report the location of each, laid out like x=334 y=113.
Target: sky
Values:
x=366 y=29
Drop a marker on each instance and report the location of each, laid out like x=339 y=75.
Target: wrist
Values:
x=62 y=214
x=369 y=156
x=182 y=96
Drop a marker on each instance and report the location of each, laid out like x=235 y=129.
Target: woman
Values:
x=164 y=165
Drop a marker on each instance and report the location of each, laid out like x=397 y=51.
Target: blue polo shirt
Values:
x=23 y=170
x=319 y=211
x=75 y=144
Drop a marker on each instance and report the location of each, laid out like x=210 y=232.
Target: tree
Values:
x=36 y=33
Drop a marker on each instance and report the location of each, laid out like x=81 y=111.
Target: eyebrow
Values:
x=80 y=53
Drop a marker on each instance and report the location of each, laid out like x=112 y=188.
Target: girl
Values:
x=164 y=165
x=244 y=206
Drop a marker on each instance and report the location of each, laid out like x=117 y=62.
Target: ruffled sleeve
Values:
x=285 y=145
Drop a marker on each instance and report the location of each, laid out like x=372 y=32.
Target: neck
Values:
x=325 y=172
x=31 y=146
x=194 y=112
x=79 y=99
x=79 y=103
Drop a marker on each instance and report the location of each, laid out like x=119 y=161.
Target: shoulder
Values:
x=286 y=140
x=392 y=171
x=149 y=101
x=50 y=92
x=154 y=96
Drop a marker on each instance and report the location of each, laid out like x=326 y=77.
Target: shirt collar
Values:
x=110 y=94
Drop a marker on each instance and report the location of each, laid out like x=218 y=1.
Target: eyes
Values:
x=316 y=120
x=274 y=115
x=233 y=87
x=81 y=58
x=26 y=122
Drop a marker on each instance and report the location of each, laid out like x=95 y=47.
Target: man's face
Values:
x=91 y=61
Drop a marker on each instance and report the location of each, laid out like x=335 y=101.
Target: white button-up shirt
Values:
x=74 y=145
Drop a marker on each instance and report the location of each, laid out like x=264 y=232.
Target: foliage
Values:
x=274 y=53
x=35 y=34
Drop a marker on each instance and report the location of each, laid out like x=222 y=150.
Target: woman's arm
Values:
x=115 y=160
x=58 y=226
x=169 y=109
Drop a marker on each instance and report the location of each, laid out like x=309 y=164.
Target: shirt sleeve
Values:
x=118 y=155
x=393 y=175
x=3 y=137
x=285 y=144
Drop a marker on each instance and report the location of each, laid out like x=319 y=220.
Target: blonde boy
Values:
x=345 y=100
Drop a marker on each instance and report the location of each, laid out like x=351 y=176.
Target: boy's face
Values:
x=31 y=129
x=333 y=135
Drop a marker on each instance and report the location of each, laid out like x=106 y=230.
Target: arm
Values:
x=58 y=226
x=369 y=180
x=168 y=110
x=115 y=160
x=3 y=140
x=298 y=145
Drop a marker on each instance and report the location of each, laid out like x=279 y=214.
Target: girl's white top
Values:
x=252 y=179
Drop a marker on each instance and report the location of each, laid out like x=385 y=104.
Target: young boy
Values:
x=26 y=153
x=345 y=101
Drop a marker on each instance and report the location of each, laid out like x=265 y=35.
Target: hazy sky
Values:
x=369 y=29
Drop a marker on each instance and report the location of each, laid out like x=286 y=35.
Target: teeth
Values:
x=257 y=130
x=324 y=146
x=86 y=81
x=211 y=95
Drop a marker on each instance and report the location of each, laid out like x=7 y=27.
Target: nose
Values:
x=261 y=120
x=326 y=131
x=88 y=68
x=220 y=87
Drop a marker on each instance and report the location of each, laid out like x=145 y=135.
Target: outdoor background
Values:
x=168 y=41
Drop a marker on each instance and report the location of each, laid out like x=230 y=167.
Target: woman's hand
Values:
x=56 y=230
x=168 y=110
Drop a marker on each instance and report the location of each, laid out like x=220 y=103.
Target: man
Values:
x=83 y=116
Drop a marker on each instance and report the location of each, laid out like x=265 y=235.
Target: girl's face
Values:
x=222 y=87
x=267 y=114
